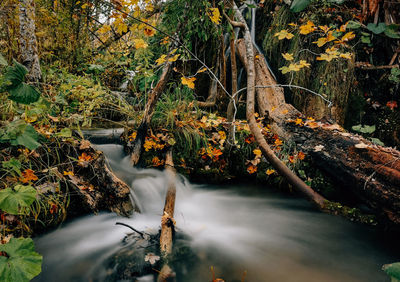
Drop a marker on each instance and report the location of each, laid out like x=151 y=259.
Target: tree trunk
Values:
x=137 y=146
x=28 y=42
x=368 y=171
x=281 y=168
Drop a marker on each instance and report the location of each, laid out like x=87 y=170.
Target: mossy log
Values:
x=369 y=172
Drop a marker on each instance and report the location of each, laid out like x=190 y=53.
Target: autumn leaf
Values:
x=291 y=159
x=151 y=258
x=120 y=26
x=251 y=169
x=148 y=31
x=83 y=159
x=174 y=58
x=28 y=175
x=270 y=171
x=257 y=152
x=298 y=121
x=301 y=155
x=214 y=15
x=278 y=142
x=165 y=41
x=345 y=56
x=304 y=64
x=104 y=29
x=188 y=81
x=202 y=70
x=391 y=105
x=68 y=173
x=161 y=60
x=307 y=28
x=324 y=28
x=284 y=34
x=329 y=55
x=140 y=43
x=287 y=56
x=323 y=40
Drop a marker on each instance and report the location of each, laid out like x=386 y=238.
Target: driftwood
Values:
x=280 y=167
x=167 y=220
x=358 y=167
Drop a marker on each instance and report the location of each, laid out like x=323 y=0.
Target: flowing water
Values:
x=234 y=228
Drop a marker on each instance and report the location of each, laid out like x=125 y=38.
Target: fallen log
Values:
x=268 y=153
x=369 y=172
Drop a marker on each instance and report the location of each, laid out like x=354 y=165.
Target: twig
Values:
x=126 y=225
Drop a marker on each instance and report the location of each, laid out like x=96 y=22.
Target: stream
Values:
x=235 y=228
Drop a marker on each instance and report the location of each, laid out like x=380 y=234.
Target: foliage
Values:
x=19 y=262
x=13 y=199
x=14 y=84
x=20 y=133
x=393 y=270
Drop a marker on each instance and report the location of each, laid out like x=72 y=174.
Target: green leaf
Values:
x=13 y=165
x=366 y=39
x=3 y=61
x=377 y=141
x=299 y=5
x=367 y=129
x=20 y=133
x=15 y=75
x=65 y=132
x=392 y=31
x=22 y=262
x=353 y=25
x=24 y=94
x=377 y=29
x=393 y=270
x=11 y=200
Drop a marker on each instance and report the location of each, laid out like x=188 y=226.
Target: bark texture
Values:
x=28 y=42
x=367 y=171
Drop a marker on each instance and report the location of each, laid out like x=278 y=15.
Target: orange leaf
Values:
x=28 y=175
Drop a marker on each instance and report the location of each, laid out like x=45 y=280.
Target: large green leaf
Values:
x=24 y=94
x=14 y=75
x=22 y=263
x=11 y=200
x=13 y=165
x=392 y=270
x=367 y=129
x=392 y=31
x=299 y=5
x=20 y=133
x=376 y=28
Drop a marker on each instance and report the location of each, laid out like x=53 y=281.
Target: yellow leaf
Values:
x=214 y=15
x=201 y=70
x=174 y=58
x=324 y=28
x=307 y=28
x=188 y=81
x=284 y=34
x=161 y=60
x=148 y=31
x=323 y=40
x=120 y=26
x=345 y=56
x=270 y=171
x=84 y=6
x=304 y=64
x=287 y=56
x=104 y=29
x=298 y=121
x=140 y=43
x=165 y=41
x=257 y=152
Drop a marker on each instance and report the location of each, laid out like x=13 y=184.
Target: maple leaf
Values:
x=174 y=58
x=287 y=56
x=329 y=55
x=148 y=31
x=284 y=34
x=251 y=169
x=257 y=152
x=304 y=64
x=152 y=258
x=161 y=60
x=83 y=159
x=270 y=171
x=188 y=81
x=324 y=28
x=278 y=142
x=301 y=155
x=68 y=173
x=298 y=121
x=391 y=105
x=214 y=15
x=307 y=28
x=28 y=175
x=140 y=43
x=323 y=40
x=345 y=56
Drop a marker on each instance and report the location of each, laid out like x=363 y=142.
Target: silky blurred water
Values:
x=274 y=237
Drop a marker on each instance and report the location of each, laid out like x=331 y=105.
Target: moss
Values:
x=353 y=214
